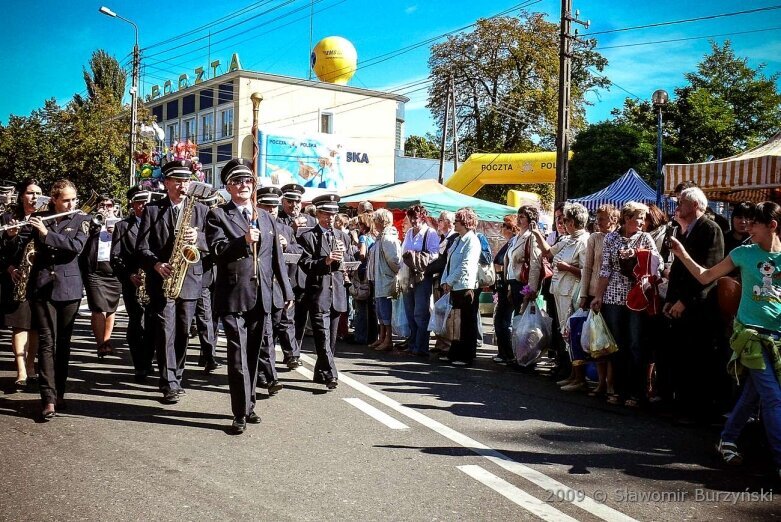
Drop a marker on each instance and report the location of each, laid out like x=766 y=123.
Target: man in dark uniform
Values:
x=283 y=318
x=323 y=251
x=292 y=216
x=204 y=319
x=156 y=236
x=245 y=291
x=126 y=267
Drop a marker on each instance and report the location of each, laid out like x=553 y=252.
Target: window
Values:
x=226 y=123
x=171 y=132
x=208 y=175
x=207 y=127
x=327 y=122
x=218 y=168
x=207 y=98
x=157 y=112
x=188 y=104
x=399 y=130
x=224 y=93
x=188 y=130
x=224 y=152
x=172 y=110
x=205 y=155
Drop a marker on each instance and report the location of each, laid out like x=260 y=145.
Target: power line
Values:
x=689 y=38
x=684 y=21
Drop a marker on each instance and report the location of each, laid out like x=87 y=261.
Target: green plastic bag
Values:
x=596 y=338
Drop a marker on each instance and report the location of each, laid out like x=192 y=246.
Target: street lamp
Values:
x=133 y=91
x=659 y=100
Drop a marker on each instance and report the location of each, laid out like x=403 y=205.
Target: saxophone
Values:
x=141 y=294
x=20 y=288
x=183 y=254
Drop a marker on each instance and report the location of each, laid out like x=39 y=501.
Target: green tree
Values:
x=104 y=79
x=421 y=147
x=506 y=83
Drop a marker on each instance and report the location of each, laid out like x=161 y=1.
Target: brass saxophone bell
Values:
x=190 y=254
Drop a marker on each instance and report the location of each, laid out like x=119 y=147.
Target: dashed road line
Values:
x=376 y=414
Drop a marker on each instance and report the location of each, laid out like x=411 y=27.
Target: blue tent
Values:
x=629 y=187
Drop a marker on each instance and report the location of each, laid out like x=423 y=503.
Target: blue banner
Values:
x=312 y=160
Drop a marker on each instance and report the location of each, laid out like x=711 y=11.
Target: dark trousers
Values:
x=465 y=348
x=244 y=334
x=631 y=359
x=204 y=321
x=141 y=346
x=284 y=330
x=172 y=329
x=301 y=314
x=503 y=316
x=55 y=326
x=324 y=327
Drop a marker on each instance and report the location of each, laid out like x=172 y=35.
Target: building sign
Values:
x=311 y=160
x=183 y=81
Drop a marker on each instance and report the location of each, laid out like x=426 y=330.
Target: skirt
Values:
x=103 y=292
x=18 y=315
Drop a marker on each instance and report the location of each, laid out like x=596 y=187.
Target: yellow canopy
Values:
x=503 y=169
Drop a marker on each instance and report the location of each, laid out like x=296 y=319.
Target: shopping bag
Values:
x=531 y=334
x=453 y=325
x=575 y=327
x=404 y=278
x=399 y=324
x=596 y=338
x=438 y=322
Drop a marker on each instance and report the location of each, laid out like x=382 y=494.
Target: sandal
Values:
x=597 y=393
x=104 y=349
x=729 y=453
x=632 y=403
x=613 y=398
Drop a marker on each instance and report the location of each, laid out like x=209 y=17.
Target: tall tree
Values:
x=105 y=78
x=421 y=147
x=506 y=83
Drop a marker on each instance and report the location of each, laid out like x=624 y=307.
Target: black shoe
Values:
x=253 y=418
x=331 y=384
x=293 y=363
x=211 y=367
x=140 y=377
x=181 y=391
x=239 y=425
x=274 y=387
x=262 y=383
x=171 y=397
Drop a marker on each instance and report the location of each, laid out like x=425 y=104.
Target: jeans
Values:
x=763 y=388
x=627 y=328
x=384 y=310
x=416 y=306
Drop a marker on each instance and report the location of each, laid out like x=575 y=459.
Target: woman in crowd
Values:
x=503 y=311
x=16 y=309
x=365 y=318
x=607 y=219
x=739 y=231
x=102 y=286
x=569 y=257
x=420 y=247
x=460 y=280
x=656 y=225
x=756 y=340
x=626 y=325
x=55 y=290
x=384 y=264
x=523 y=262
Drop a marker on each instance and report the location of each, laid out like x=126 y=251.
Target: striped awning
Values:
x=754 y=175
x=629 y=187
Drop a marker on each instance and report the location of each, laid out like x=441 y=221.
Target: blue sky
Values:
x=46 y=43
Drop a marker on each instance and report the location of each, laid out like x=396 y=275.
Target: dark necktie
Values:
x=176 y=213
x=245 y=213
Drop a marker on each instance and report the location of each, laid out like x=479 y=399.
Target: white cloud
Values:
x=411 y=9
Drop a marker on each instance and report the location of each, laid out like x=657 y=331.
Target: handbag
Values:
x=360 y=289
x=545 y=269
x=486 y=275
x=626 y=265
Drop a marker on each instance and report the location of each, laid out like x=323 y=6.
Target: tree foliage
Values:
x=105 y=79
x=421 y=147
x=505 y=74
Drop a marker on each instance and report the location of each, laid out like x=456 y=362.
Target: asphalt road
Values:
x=402 y=438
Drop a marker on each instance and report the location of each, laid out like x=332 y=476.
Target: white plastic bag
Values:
x=596 y=339
x=438 y=322
x=531 y=334
x=399 y=324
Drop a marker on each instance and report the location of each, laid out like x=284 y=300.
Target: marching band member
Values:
x=323 y=250
x=247 y=256
x=126 y=266
x=283 y=318
x=55 y=289
x=205 y=321
x=102 y=286
x=16 y=309
x=156 y=236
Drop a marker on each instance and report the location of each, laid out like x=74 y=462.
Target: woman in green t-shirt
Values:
x=757 y=336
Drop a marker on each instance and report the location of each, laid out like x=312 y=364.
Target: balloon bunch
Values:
x=186 y=150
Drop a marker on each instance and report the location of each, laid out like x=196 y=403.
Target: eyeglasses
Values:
x=240 y=181
x=458 y=221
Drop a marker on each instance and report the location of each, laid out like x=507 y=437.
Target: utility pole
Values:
x=455 y=124
x=441 y=178
x=134 y=112
x=565 y=74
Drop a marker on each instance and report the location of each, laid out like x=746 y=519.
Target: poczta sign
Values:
x=509 y=166
x=184 y=80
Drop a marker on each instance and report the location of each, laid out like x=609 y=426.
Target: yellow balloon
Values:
x=334 y=60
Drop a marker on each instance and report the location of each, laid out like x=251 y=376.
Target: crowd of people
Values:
x=266 y=271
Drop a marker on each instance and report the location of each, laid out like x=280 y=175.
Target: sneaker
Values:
x=729 y=453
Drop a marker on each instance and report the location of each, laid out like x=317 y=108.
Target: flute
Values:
x=43 y=218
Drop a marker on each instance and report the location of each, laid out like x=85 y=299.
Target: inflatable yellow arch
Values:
x=503 y=169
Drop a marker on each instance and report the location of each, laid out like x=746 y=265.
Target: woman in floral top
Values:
x=610 y=298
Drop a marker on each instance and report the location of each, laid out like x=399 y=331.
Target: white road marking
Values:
x=500 y=459
x=531 y=504
x=376 y=414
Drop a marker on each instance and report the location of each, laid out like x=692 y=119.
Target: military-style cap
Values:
x=237 y=167
x=178 y=169
x=327 y=203
x=269 y=196
x=292 y=191
x=132 y=191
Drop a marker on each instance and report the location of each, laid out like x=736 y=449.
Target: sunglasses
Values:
x=240 y=181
